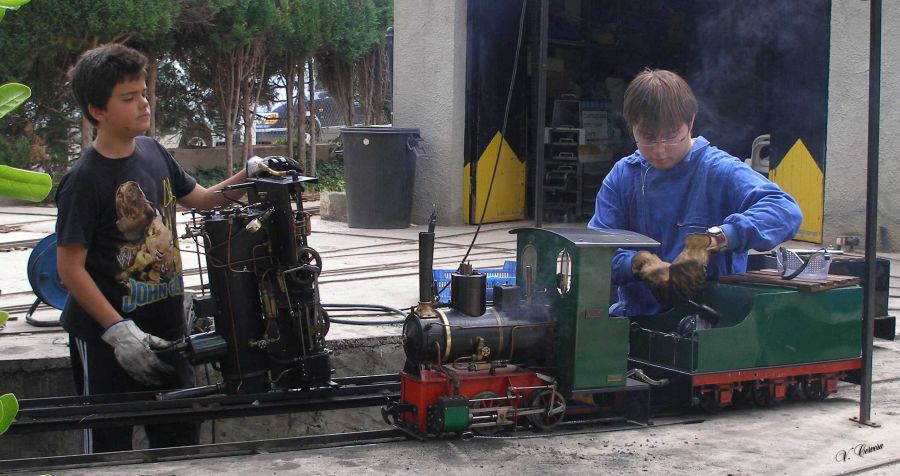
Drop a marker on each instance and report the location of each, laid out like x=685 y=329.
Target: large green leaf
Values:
x=24 y=184
x=12 y=4
x=9 y=406
x=12 y=95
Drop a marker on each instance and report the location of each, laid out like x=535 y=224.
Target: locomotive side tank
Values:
x=761 y=341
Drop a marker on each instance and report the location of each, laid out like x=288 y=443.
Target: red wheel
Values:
x=554 y=409
x=485 y=400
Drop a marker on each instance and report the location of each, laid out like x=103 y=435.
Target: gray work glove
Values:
x=275 y=165
x=134 y=350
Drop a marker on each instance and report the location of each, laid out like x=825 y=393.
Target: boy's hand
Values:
x=688 y=271
x=273 y=165
x=648 y=267
x=134 y=351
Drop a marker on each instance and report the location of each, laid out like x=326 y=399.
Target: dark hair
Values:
x=658 y=99
x=99 y=70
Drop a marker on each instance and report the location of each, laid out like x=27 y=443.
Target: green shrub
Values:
x=210 y=177
x=330 y=174
x=15 y=152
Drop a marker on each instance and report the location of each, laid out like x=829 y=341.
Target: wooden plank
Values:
x=771 y=277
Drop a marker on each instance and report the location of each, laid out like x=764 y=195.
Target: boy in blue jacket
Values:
x=705 y=207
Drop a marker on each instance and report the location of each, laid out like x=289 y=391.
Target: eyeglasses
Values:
x=668 y=143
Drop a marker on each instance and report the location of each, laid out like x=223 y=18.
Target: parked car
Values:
x=271 y=126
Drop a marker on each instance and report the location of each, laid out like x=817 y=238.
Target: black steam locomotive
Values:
x=548 y=348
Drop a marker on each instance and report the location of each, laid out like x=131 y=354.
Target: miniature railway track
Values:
x=18 y=245
x=203 y=451
x=69 y=413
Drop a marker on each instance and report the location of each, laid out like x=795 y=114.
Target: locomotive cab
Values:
x=569 y=271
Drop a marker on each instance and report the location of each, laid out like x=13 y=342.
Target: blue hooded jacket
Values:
x=707 y=188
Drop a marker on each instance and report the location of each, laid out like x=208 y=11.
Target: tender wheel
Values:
x=762 y=395
x=554 y=406
x=794 y=390
x=815 y=390
x=476 y=403
x=743 y=395
x=709 y=402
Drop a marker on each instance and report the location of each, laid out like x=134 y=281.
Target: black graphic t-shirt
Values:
x=123 y=212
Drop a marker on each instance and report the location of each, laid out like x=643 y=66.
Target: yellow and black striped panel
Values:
x=507 y=200
x=799 y=175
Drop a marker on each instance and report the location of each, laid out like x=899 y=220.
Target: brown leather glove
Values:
x=687 y=275
x=655 y=272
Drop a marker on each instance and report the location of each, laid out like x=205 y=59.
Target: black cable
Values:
x=378 y=307
x=509 y=95
x=365 y=307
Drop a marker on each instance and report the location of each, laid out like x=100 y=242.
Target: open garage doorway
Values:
x=759 y=69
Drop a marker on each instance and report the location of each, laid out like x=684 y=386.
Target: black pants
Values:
x=97 y=371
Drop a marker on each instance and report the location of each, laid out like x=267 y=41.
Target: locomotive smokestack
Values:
x=426 y=261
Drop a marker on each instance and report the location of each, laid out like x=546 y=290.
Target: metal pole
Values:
x=541 y=113
x=865 y=389
x=312 y=118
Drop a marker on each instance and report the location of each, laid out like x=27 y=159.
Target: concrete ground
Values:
x=379 y=267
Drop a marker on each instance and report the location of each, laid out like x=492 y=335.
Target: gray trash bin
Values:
x=379 y=171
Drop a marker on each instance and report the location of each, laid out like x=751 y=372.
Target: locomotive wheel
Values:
x=762 y=396
x=554 y=406
x=815 y=390
x=486 y=430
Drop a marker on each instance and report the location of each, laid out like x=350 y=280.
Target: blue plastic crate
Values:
x=495 y=276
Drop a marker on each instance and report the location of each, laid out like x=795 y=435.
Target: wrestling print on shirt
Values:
x=149 y=260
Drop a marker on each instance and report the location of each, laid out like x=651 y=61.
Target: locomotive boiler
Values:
x=269 y=325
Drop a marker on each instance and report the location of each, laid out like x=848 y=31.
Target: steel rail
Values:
x=215 y=450
x=68 y=413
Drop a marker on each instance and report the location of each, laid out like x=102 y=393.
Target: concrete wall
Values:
x=846 y=154
x=208 y=157
x=429 y=93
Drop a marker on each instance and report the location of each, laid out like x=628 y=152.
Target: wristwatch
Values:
x=718 y=241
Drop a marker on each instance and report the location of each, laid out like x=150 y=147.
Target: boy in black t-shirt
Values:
x=117 y=247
